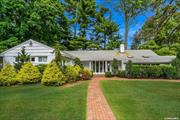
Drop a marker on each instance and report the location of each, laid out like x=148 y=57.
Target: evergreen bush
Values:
x=28 y=74
x=7 y=75
x=53 y=75
x=72 y=73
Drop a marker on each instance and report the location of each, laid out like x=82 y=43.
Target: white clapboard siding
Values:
x=35 y=50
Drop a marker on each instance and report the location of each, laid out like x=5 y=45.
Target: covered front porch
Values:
x=100 y=67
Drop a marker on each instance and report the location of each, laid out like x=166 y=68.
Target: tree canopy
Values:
x=42 y=20
x=162 y=28
x=84 y=24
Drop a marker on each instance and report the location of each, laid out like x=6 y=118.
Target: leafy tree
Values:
x=42 y=20
x=22 y=58
x=165 y=51
x=163 y=27
x=8 y=43
x=47 y=21
x=149 y=45
x=28 y=74
x=7 y=75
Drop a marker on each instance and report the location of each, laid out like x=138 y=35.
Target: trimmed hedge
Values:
x=7 y=75
x=169 y=72
x=153 y=71
x=145 y=71
x=28 y=74
x=148 y=71
x=53 y=75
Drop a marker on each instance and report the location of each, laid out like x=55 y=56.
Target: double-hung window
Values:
x=42 y=59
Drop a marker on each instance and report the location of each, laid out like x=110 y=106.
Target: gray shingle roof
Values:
x=138 y=56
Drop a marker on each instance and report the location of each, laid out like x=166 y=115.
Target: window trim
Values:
x=33 y=58
x=42 y=59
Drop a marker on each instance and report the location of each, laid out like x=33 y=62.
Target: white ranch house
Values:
x=99 y=61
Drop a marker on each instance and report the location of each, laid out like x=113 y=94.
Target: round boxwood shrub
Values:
x=53 y=75
x=28 y=74
x=86 y=74
x=7 y=75
x=71 y=73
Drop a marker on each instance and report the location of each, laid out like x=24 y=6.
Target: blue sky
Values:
x=118 y=18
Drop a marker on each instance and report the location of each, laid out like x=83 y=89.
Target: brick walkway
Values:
x=97 y=106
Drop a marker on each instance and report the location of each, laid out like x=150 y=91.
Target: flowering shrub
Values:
x=86 y=74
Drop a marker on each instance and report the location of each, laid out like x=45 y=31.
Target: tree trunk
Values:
x=84 y=39
x=126 y=32
x=75 y=27
x=105 y=42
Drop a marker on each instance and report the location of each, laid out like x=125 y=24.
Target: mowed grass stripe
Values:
x=143 y=100
x=33 y=102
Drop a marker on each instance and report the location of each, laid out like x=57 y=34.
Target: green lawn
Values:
x=143 y=100
x=35 y=102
